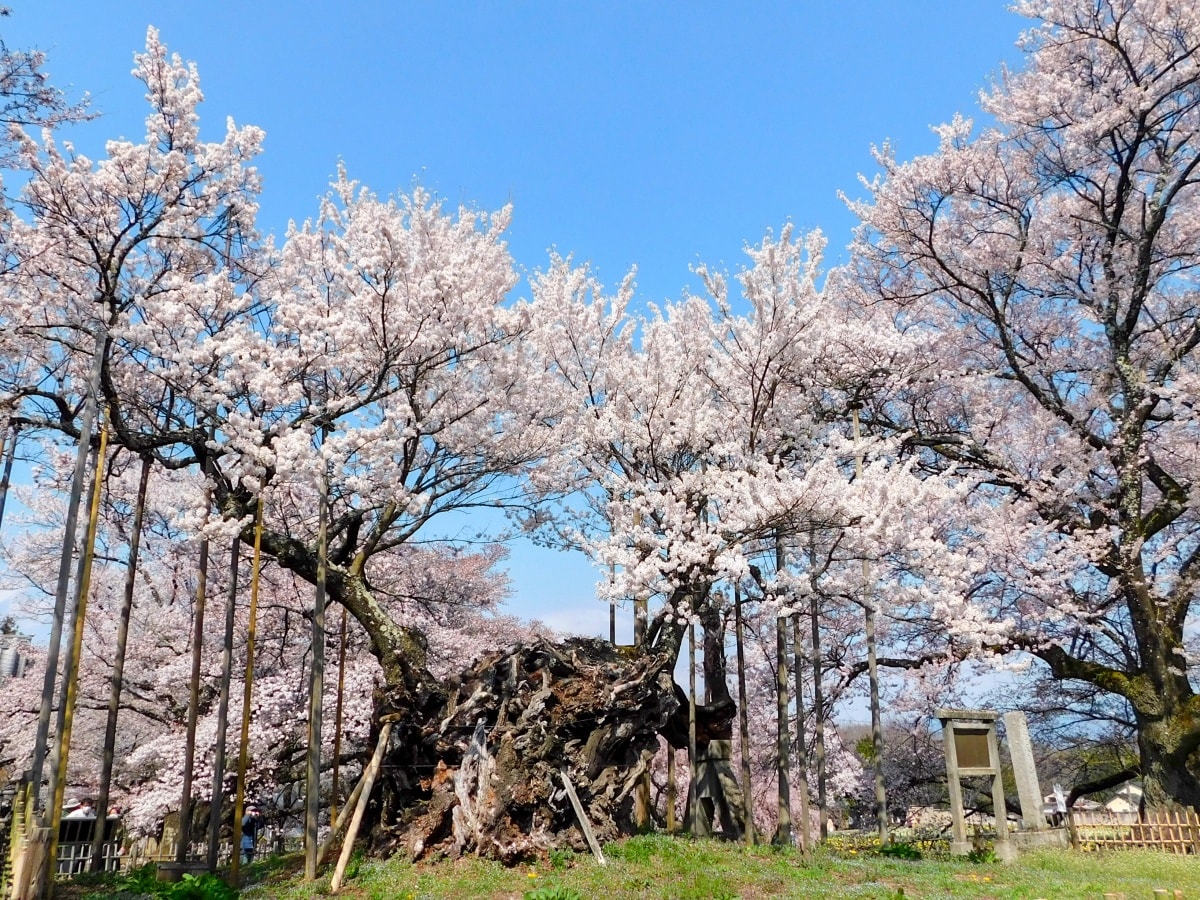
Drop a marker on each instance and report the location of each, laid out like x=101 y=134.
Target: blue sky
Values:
x=655 y=133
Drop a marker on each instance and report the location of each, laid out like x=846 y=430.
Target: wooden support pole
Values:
x=743 y=713
x=801 y=744
x=584 y=825
x=59 y=760
x=783 y=765
x=86 y=424
x=872 y=668
x=337 y=724
x=312 y=790
x=239 y=802
x=819 y=717
x=339 y=822
x=116 y=682
x=693 y=801
x=339 y=872
x=218 y=785
x=641 y=792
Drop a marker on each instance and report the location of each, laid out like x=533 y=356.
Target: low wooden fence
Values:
x=73 y=857
x=1175 y=831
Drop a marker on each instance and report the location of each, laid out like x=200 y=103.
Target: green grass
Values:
x=675 y=868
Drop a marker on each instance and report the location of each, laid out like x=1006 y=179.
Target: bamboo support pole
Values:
x=239 y=802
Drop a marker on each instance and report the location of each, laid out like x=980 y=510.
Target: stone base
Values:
x=1048 y=837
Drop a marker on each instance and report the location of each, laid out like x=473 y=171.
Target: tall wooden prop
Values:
x=218 y=785
x=116 y=681
x=189 y=747
x=239 y=803
x=872 y=668
x=86 y=424
x=743 y=712
x=66 y=718
x=801 y=743
x=312 y=794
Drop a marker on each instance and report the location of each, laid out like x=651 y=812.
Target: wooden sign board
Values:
x=971 y=748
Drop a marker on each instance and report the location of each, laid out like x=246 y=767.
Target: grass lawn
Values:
x=658 y=866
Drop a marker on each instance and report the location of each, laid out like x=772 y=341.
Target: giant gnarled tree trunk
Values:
x=481 y=773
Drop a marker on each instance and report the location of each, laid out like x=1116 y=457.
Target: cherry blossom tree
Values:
x=1049 y=262
x=27 y=96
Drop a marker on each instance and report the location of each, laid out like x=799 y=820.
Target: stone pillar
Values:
x=1028 y=790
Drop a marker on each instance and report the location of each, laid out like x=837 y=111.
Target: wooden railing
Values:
x=1172 y=830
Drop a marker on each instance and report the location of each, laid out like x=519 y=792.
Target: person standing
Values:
x=252 y=824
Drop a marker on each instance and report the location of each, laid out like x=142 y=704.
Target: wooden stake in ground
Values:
x=96 y=862
x=239 y=802
x=360 y=809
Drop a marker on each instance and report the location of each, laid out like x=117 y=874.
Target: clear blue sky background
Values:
x=651 y=133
